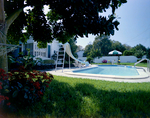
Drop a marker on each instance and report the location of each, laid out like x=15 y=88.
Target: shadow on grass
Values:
x=84 y=100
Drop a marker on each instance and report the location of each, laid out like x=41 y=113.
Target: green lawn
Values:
x=76 y=97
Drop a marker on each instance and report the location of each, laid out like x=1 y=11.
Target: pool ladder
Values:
x=60 y=58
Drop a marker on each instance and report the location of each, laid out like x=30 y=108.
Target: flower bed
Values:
x=104 y=61
x=24 y=87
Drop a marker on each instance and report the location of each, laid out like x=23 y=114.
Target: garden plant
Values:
x=21 y=88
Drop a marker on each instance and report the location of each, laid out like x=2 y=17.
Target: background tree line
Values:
x=102 y=45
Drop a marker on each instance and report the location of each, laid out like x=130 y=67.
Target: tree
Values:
x=89 y=59
x=139 y=50
x=139 y=47
x=127 y=47
x=95 y=53
x=76 y=17
x=148 y=53
x=116 y=45
x=79 y=48
x=127 y=53
x=139 y=53
x=103 y=44
x=87 y=50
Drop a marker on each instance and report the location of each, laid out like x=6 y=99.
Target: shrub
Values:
x=104 y=61
x=24 y=60
x=89 y=59
x=27 y=87
x=4 y=99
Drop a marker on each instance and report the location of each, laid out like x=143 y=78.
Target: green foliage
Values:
x=76 y=97
x=127 y=47
x=54 y=56
x=148 y=53
x=25 y=60
x=89 y=59
x=139 y=53
x=139 y=48
x=87 y=50
x=4 y=89
x=95 y=53
x=48 y=61
x=118 y=46
x=42 y=44
x=127 y=53
x=75 y=18
x=103 y=44
x=27 y=87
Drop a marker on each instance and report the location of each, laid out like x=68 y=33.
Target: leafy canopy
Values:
x=74 y=18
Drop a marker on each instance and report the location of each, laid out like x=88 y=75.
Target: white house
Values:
x=38 y=52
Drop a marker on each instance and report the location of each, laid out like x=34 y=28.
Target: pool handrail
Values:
x=148 y=63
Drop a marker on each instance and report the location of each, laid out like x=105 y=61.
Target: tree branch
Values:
x=2 y=15
x=12 y=17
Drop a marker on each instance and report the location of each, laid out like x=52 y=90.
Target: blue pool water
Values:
x=110 y=70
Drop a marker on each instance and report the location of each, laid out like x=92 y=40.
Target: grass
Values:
x=76 y=97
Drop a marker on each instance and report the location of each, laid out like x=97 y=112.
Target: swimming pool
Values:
x=117 y=70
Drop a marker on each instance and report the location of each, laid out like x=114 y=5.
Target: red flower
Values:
x=40 y=93
x=47 y=86
x=31 y=75
x=6 y=98
x=10 y=74
x=48 y=82
x=0 y=87
x=8 y=103
x=2 y=71
x=0 y=83
x=37 y=85
x=1 y=98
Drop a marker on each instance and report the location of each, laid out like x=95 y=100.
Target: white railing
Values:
x=148 y=63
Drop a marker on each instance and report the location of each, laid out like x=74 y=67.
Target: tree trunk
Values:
x=3 y=58
x=4 y=26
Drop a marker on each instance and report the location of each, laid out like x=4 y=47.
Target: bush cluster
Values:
x=4 y=99
x=104 y=61
x=26 y=87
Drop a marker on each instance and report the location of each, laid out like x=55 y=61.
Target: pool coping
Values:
x=141 y=71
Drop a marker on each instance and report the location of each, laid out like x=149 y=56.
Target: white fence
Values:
x=123 y=59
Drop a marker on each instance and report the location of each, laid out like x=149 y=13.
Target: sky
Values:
x=134 y=27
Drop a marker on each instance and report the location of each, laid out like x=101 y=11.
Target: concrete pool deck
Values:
x=144 y=75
